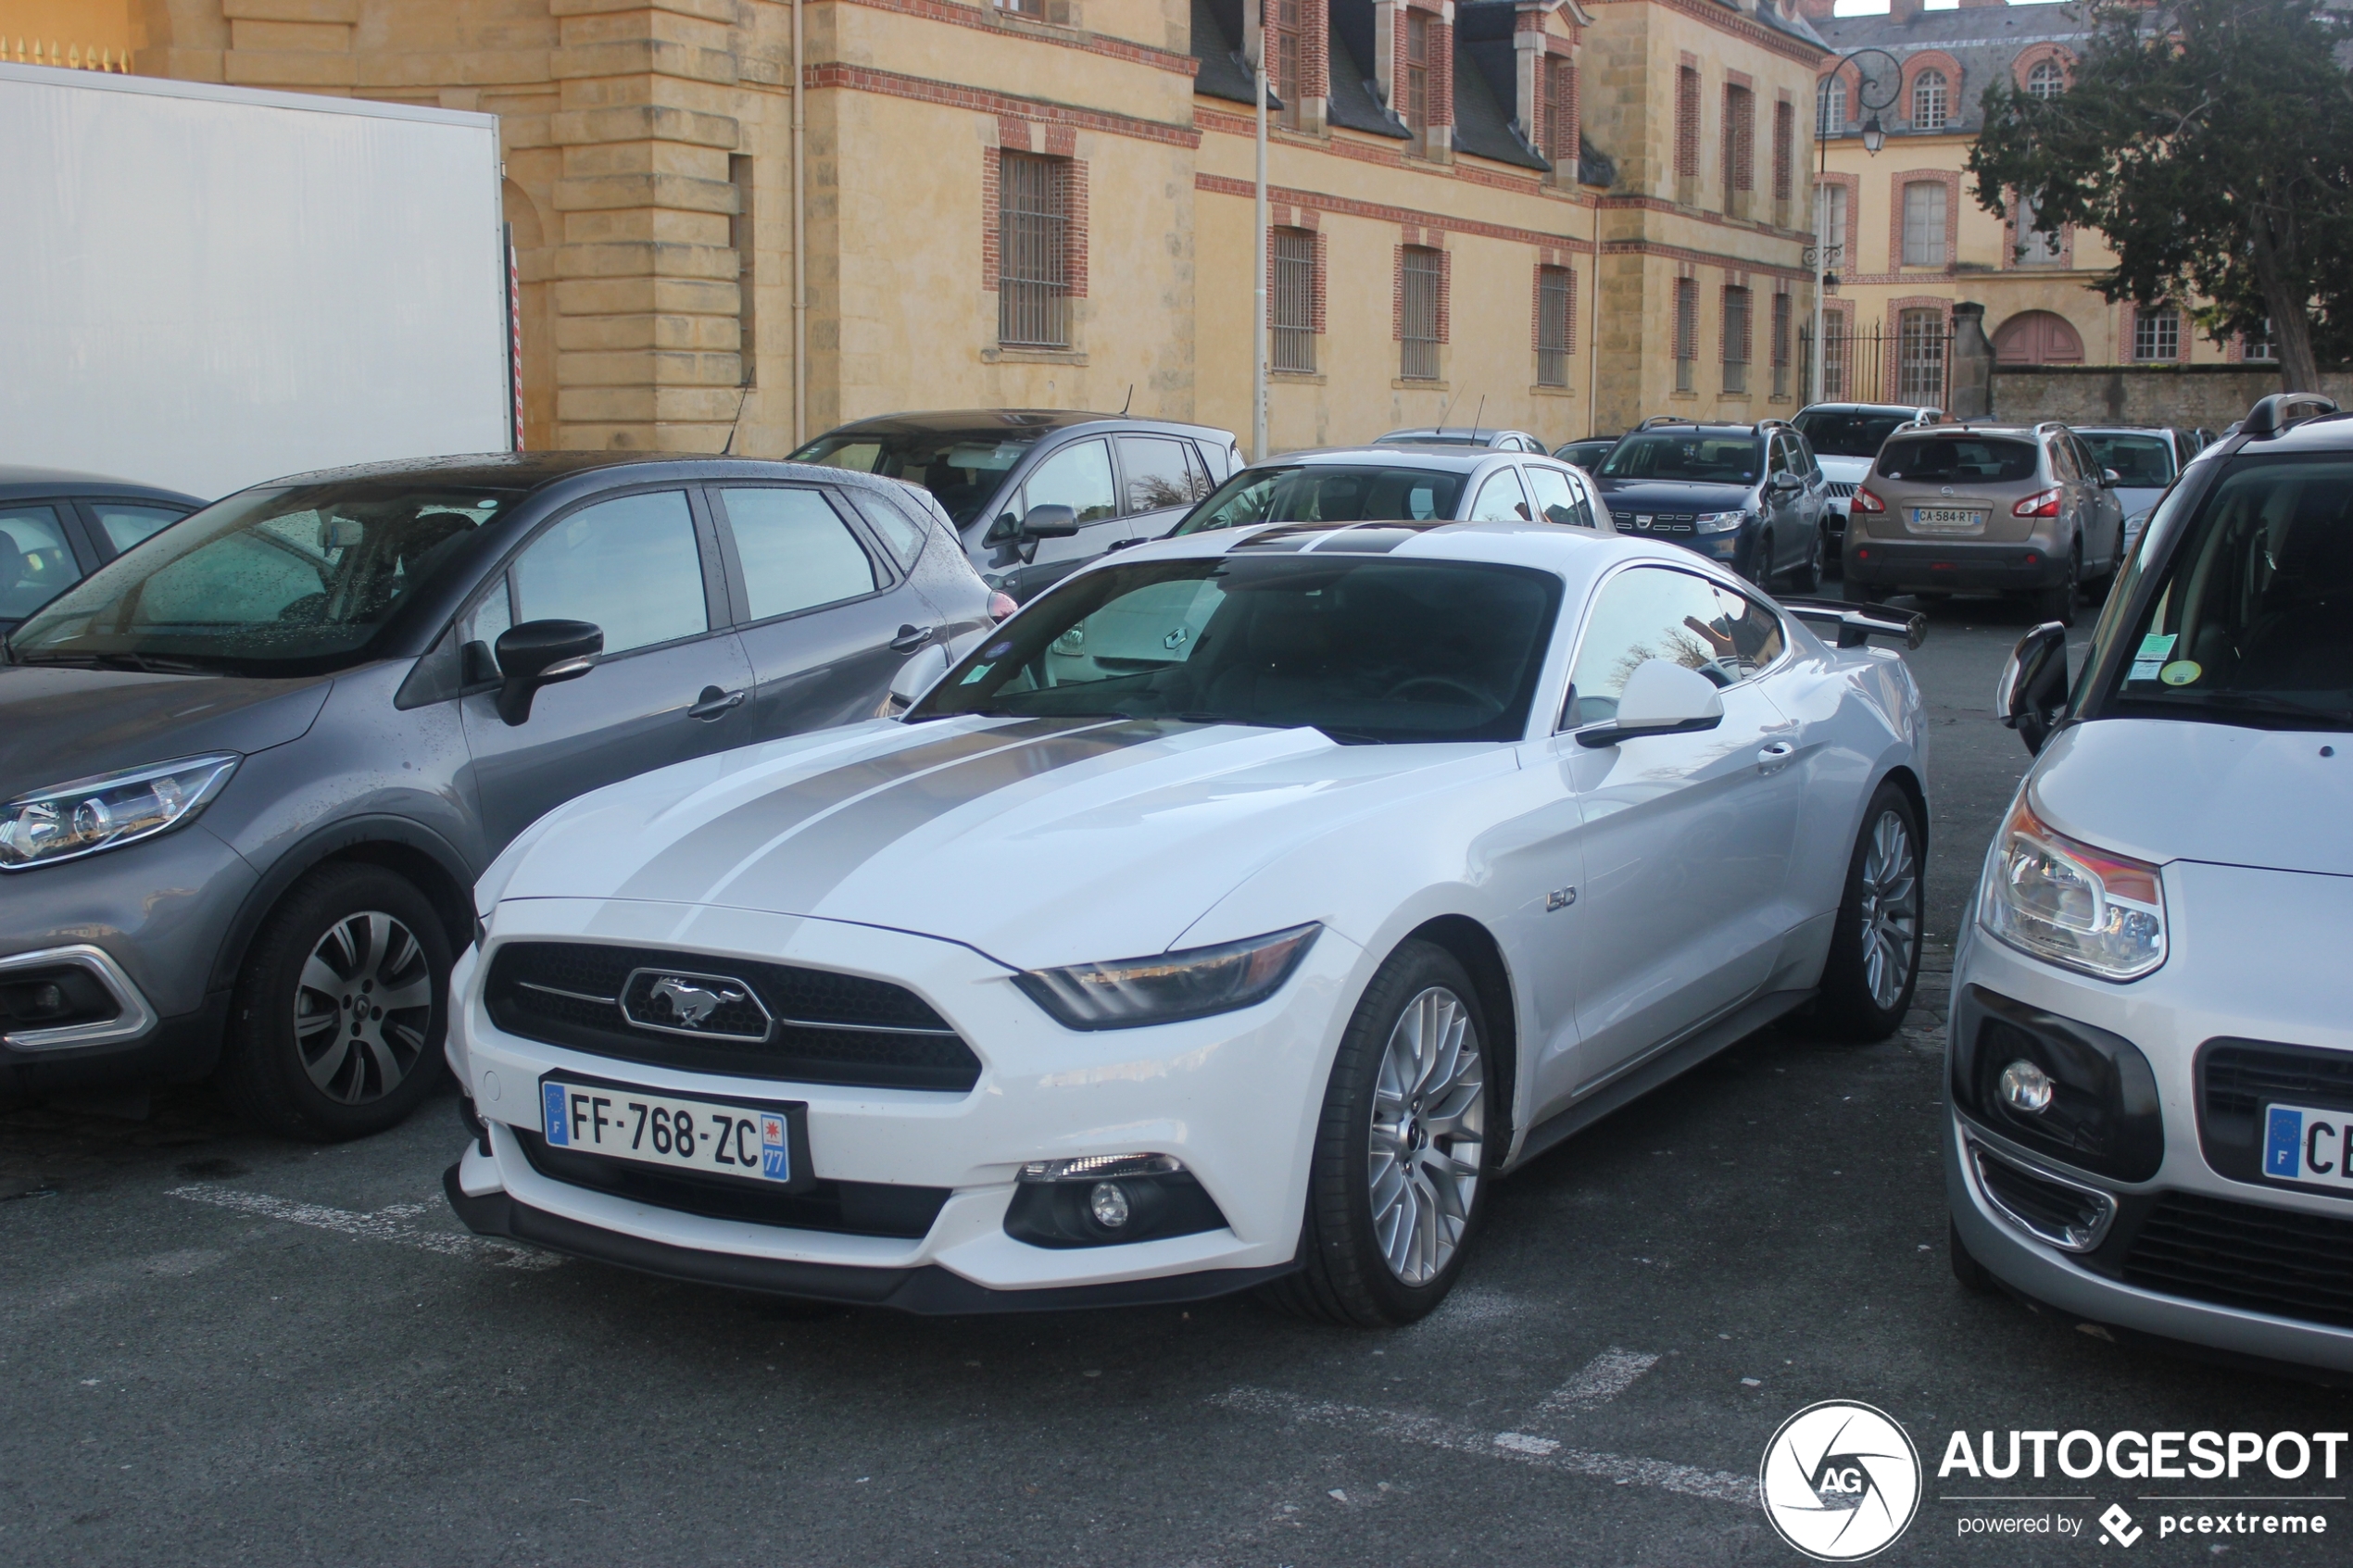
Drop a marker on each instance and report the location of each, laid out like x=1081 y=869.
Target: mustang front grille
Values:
x=731 y=1016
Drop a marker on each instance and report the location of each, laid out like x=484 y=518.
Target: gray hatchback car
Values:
x=252 y=769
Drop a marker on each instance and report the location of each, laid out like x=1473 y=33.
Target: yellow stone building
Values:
x=1910 y=237
x=1047 y=203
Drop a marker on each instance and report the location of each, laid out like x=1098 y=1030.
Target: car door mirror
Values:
x=2111 y=478
x=1004 y=531
x=1660 y=698
x=2033 y=685
x=541 y=653
x=1049 y=523
x=1787 y=481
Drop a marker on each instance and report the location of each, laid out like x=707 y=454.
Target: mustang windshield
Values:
x=288 y=580
x=963 y=469
x=1366 y=648
x=2252 y=622
x=1327 y=492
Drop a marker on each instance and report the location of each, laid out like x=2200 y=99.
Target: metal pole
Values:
x=1821 y=256
x=1593 y=334
x=799 y=246
x=1261 y=238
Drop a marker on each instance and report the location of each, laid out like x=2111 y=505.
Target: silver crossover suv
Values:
x=2151 y=1052
x=250 y=771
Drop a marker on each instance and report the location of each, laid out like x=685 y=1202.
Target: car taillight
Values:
x=1865 y=501
x=1000 y=606
x=2046 y=504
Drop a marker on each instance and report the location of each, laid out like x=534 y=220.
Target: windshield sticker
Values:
x=979 y=672
x=2142 y=669
x=2156 y=645
x=2180 y=672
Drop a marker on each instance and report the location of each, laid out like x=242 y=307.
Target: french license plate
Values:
x=1948 y=519
x=2304 y=1145
x=722 y=1137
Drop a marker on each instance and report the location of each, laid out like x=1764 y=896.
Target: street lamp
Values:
x=1874 y=138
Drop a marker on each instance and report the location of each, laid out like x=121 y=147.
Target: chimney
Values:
x=1817 y=10
x=1902 y=13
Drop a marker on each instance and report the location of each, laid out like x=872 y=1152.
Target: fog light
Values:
x=1108 y=1203
x=2026 y=1088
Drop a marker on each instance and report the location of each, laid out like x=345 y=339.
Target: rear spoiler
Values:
x=1857 y=623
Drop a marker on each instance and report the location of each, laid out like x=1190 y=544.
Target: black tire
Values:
x=1344 y=1278
x=2057 y=601
x=372 y=1075
x=1760 y=561
x=1974 y=1276
x=1807 y=578
x=1856 y=1002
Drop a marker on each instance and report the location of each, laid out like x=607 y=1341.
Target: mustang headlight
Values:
x=1719 y=523
x=1169 y=986
x=68 y=820
x=2081 y=908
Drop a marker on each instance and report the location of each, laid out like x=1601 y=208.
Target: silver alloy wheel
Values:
x=1429 y=1136
x=1891 y=909
x=362 y=1008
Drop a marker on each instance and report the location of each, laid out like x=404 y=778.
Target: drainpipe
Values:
x=1593 y=334
x=799 y=246
x=1258 y=320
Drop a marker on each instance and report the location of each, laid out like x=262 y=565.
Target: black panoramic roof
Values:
x=18 y=482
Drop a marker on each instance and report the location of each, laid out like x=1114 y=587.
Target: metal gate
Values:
x=1909 y=360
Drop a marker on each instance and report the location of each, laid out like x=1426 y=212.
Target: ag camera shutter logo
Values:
x=1840 y=1481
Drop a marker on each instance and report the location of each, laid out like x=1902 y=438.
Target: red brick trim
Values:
x=1310 y=220
x=1445 y=287
x=1687 y=113
x=1061 y=37
x=1939 y=60
x=895 y=84
x=1784 y=147
x=1436 y=226
x=1739 y=136
x=1741 y=79
x=992 y=217
x=1074 y=215
x=1720 y=20
x=1947 y=178
x=2035 y=55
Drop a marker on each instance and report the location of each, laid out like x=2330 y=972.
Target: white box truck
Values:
x=204 y=287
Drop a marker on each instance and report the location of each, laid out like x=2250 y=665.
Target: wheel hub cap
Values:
x=1891 y=909
x=1427 y=1144
x=368 y=971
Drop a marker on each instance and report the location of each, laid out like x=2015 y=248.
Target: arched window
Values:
x=1931 y=96
x=2046 y=79
x=1829 y=108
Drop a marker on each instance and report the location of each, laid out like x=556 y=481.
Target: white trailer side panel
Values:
x=205 y=287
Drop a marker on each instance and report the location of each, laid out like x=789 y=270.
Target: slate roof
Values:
x=1984 y=40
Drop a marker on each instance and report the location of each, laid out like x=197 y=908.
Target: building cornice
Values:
x=957 y=15
x=896 y=84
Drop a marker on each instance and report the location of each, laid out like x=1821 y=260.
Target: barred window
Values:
x=1780 y=344
x=1687 y=123
x=1931 y=95
x=1829 y=108
x=1924 y=223
x=1033 y=309
x=2156 y=333
x=1560 y=111
x=1422 y=272
x=1556 y=304
x=1736 y=310
x=1294 y=302
x=2047 y=78
x=1686 y=332
x=1920 y=357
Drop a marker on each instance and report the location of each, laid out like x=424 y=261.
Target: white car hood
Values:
x=1846 y=470
x=1038 y=842
x=2162 y=789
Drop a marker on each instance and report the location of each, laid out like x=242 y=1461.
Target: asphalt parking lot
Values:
x=217 y=1348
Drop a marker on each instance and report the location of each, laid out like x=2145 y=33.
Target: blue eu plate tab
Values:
x=559 y=1127
x=2282 y=1142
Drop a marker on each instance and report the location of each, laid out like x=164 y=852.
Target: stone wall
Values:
x=2187 y=396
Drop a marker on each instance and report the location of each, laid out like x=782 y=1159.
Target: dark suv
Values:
x=250 y=771
x=1007 y=477
x=1749 y=495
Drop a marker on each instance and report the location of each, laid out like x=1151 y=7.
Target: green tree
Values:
x=2212 y=143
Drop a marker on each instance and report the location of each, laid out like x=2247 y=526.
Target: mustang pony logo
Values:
x=692 y=1004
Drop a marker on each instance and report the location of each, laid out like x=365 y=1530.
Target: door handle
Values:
x=714 y=702
x=1773 y=756
x=910 y=638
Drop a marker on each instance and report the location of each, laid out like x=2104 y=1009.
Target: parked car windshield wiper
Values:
x=146 y=663
x=2221 y=705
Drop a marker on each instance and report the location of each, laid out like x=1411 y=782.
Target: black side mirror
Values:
x=1049 y=523
x=540 y=653
x=1003 y=531
x=2033 y=685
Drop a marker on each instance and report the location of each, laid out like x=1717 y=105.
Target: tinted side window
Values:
x=1155 y=473
x=1077 y=477
x=797 y=553
x=1654 y=612
x=629 y=565
x=36 y=563
x=125 y=525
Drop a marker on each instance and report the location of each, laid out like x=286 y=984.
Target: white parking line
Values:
x=1599 y=1381
x=381 y=1224
x=1716 y=1486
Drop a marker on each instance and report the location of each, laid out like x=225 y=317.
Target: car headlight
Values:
x=2080 y=908
x=1719 y=523
x=68 y=820
x=1170 y=986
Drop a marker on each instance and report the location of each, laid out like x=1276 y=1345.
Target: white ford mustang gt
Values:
x=1234 y=916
